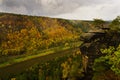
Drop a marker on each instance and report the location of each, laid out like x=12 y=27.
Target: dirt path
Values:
x=22 y=66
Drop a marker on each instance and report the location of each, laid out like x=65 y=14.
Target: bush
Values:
x=108 y=63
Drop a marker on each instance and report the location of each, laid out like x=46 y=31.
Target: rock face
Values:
x=92 y=35
x=93 y=41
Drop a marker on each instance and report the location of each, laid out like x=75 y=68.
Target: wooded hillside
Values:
x=21 y=34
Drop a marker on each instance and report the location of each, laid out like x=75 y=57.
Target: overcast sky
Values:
x=69 y=9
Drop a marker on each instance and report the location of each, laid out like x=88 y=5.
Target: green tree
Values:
x=98 y=23
x=115 y=25
x=108 y=65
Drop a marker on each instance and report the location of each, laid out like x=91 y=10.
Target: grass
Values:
x=38 y=54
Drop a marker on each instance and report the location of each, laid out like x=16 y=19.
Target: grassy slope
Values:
x=22 y=58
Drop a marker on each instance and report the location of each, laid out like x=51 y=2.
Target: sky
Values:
x=68 y=9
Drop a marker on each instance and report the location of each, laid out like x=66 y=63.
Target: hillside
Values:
x=21 y=34
x=46 y=42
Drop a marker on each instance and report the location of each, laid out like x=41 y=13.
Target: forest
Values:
x=23 y=36
x=93 y=48
x=20 y=34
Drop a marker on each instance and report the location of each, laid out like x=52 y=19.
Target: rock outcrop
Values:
x=93 y=42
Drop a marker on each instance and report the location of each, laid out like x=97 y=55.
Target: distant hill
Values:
x=21 y=33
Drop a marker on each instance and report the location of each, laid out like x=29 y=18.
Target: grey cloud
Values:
x=45 y=7
x=10 y=3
